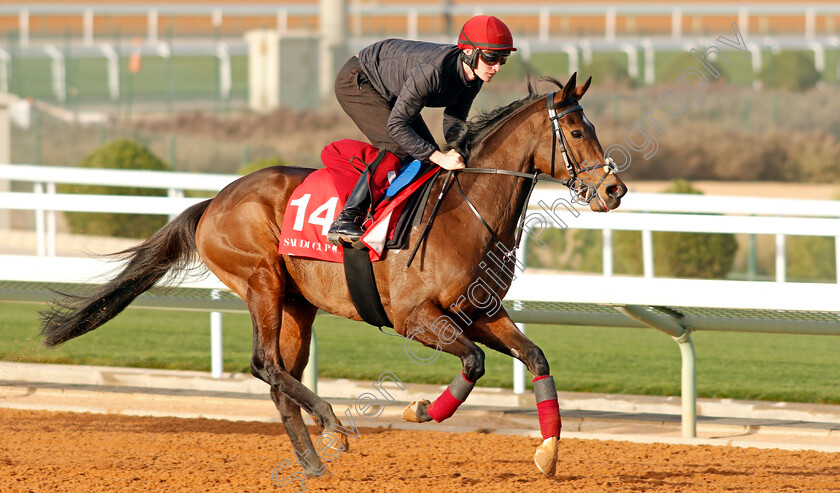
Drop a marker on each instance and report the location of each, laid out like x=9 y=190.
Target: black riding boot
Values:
x=347 y=227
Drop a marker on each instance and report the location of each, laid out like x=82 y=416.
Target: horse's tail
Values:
x=172 y=248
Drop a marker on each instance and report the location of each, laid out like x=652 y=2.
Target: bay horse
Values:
x=236 y=236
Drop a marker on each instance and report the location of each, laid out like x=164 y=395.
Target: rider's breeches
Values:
x=369 y=110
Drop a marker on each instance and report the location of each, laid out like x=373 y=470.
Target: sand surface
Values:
x=90 y=453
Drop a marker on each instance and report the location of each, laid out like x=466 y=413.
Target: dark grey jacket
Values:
x=411 y=75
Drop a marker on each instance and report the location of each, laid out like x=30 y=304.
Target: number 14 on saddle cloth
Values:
x=316 y=202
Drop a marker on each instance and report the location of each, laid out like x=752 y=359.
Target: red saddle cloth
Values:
x=316 y=202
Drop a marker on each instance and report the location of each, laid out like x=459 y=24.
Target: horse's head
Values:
x=574 y=154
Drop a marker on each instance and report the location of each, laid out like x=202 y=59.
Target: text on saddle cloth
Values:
x=315 y=203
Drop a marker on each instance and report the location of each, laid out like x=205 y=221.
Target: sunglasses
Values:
x=493 y=57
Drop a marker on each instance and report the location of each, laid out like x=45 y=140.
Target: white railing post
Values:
x=113 y=70
x=610 y=24
x=676 y=23
x=647 y=253
x=837 y=257
x=519 y=369
x=781 y=265
x=412 y=24
x=51 y=224
x=282 y=21
x=177 y=193
x=545 y=25
x=152 y=23
x=87 y=27
x=216 y=359
x=810 y=23
x=40 y=224
x=58 y=72
x=23 y=27
x=310 y=373
x=518 y=366
x=650 y=67
x=608 y=252
x=225 y=76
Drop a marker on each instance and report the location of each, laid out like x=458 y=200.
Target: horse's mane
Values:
x=465 y=136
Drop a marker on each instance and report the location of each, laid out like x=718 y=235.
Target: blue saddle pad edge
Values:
x=406 y=175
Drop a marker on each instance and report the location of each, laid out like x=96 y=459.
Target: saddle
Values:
x=398 y=197
x=316 y=202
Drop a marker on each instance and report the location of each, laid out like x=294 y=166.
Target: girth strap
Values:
x=363 y=292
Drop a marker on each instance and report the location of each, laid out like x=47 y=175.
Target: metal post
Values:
x=51 y=224
x=676 y=23
x=519 y=369
x=152 y=26
x=781 y=267
x=40 y=226
x=411 y=24
x=545 y=25
x=23 y=27
x=216 y=360
x=689 y=385
x=647 y=253
x=333 y=48
x=672 y=327
x=609 y=24
x=5 y=151
x=837 y=257
x=608 y=252
x=518 y=366
x=310 y=373
x=87 y=27
x=650 y=62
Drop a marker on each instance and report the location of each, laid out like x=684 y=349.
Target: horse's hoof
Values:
x=344 y=442
x=416 y=412
x=546 y=457
x=326 y=475
x=340 y=443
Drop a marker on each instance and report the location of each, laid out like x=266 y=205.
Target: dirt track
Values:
x=66 y=452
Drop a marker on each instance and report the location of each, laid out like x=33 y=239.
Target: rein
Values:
x=572 y=166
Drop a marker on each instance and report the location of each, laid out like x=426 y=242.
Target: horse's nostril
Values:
x=613 y=190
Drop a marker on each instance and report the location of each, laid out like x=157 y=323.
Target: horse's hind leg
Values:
x=268 y=307
x=500 y=333
x=294 y=340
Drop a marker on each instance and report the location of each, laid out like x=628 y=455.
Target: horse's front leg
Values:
x=429 y=325
x=500 y=333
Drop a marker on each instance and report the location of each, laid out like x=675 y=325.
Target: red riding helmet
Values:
x=486 y=33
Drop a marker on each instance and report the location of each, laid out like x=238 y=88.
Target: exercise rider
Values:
x=387 y=84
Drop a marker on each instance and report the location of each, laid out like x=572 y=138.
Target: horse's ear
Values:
x=569 y=87
x=581 y=90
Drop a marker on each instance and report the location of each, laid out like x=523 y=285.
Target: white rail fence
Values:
x=674 y=306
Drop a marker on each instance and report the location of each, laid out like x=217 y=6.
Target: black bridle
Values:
x=574 y=183
x=582 y=191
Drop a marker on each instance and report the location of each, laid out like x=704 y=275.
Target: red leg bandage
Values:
x=448 y=402
x=548 y=408
x=444 y=406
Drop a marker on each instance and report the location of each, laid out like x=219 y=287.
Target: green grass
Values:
x=87 y=78
x=586 y=359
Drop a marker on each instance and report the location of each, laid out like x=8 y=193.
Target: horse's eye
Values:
x=577 y=134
